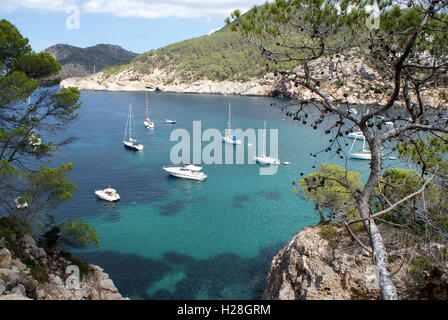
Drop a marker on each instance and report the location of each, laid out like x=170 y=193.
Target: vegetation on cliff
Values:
x=223 y=55
x=78 y=62
x=31 y=116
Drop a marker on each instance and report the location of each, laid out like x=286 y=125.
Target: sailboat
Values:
x=364 y=155
x=230 y=139
x=128 y=141
x=263 y=159
x=148 y=122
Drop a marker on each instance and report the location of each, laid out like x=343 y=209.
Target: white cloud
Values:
x=151 y=9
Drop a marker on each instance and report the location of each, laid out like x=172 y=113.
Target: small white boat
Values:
x=108 y=194
x=186 y=172
x=148 y=123
x=286 y=163
x=34 y=140
x=356 y=135
x=364 y=155
x=353 y=111
x=263 y=159
x=128 y=141
x=20 y=204
x=230 y=139
x=168 y=121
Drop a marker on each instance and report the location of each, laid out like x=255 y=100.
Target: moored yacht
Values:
x=263 y=159
x=128 y=141
x=148 y=123
x=186 y=172
x=230 y=139
x=108 y=194
x=356 y=135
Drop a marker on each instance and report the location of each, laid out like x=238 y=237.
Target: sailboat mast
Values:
x=264 y=140
x=130 y=121
x=229 y=124
x=126 y=128
x=146 y=108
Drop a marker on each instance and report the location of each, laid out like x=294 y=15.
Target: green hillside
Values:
x=223 y=55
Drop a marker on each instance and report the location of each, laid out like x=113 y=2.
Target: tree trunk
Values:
x=387 y=287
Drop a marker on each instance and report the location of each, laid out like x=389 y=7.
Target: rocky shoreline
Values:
x=321 y=265
x=45 y=275
x=355 y=82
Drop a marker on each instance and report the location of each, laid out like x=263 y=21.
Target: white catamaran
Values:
x=230 y=139
x=263 y=159
x=148 y=122
x=128 y=141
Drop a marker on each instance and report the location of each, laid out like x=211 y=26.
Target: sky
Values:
x=136 y=25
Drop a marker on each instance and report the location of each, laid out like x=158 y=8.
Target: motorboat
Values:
x=128 y=141
x=186 y=172
x=264 y=160
x=286 y=163
x=20 y=204
x=108 y=194
x=168 y=121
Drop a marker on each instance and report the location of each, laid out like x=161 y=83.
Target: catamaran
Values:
x=148 y=122
x=263 y=159
x=230 y=139
x=364 y=155
x=191 y=172
x=108 y=194
x=128 y=141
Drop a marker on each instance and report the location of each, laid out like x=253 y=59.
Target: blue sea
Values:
x=179 y=239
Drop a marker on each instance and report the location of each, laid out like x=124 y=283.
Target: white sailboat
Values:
x=148 y=122
x=263 y=159
x=356 y=135
x=191 y=172
x=128 y=141
x=230 y=139
x=364 y=155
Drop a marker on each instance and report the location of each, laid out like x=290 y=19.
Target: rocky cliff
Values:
x=316 y=266
x=48 y=275
x=352 y=81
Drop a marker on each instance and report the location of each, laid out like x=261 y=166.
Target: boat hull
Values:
x=267 y=161
x=361 y=156
x=183 y=175
x=103 y=196
x=229 y=140
x=131 y=146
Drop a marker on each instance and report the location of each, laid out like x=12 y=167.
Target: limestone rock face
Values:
x=17 y=281
x=310 y=268
x=354 y=82
x=5 y=258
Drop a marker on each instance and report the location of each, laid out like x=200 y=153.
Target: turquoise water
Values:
x=178 y=239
